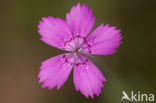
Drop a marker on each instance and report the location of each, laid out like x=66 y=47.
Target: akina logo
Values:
x=137 y=96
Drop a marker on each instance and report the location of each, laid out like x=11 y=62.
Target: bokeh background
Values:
x=132 y=68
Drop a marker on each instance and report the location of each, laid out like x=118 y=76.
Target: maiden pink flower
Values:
x=74 y=35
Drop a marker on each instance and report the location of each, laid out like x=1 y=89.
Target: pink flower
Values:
x=74 y=35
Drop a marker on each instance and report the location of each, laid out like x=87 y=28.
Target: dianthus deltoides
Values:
x=74 y=35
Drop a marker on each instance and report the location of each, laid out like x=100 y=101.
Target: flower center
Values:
x=77 y=51
x=77 y=44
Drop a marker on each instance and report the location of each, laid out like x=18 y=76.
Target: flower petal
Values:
x=104 y=40
x=54 y=31
x=88 y=78
x=80 y=19
x=55 y=71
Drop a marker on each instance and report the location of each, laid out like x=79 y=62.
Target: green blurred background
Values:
x=132 y=68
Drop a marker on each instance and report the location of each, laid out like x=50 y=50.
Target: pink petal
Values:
x=80 y=19
x=54 y=31
x=104 y=40
x=88 y=78
x=55 y=71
